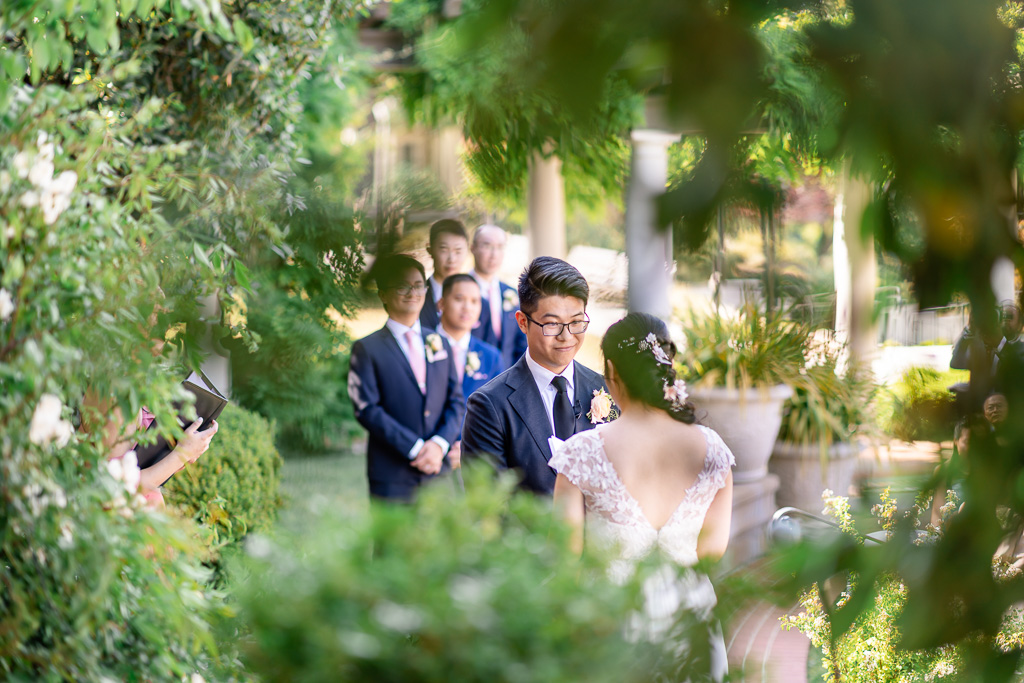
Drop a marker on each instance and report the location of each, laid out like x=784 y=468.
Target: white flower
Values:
x=126 y=470
x=472 y=362
x=67 y=538
x=434 y=342
x=41 y=173
x=53 y=203
x=47 y=425
x=397 y=617
x=5 y=181
x=22 y=164
x=29 y=199
x=6 y=305
x=196 y=678
x=509 y=300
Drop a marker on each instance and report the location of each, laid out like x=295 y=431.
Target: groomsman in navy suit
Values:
x=479 y=361
x=498 y=325
x=405 y=387
x=448 y=247
x=460 y=312
x=546 y=393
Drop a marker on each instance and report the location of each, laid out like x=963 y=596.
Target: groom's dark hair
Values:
x=549 y=276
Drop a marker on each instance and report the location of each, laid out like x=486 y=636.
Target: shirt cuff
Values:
x=415 y=449
x=442 y=443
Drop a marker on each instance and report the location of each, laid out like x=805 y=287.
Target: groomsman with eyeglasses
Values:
x=546 y=392
x=405 y=387
x=498 y=325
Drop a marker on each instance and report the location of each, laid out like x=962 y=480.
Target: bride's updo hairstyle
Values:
x=642 y=352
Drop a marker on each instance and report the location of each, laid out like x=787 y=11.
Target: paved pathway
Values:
x=761 y=652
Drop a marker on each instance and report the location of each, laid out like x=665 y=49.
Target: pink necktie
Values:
x=419 y=365
x=496 y=311
x=461 y=364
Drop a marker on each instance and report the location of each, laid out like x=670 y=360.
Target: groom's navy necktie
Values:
x=564 y=418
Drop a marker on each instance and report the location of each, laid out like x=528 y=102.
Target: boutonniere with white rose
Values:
x=509 y=300
x=472 y=362
x=602 y=408
x=435 y=348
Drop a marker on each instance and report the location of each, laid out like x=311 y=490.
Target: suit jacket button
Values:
x=426 y=413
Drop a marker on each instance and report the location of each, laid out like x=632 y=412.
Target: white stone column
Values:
x=217 y=365
x=649 y=245
x=546 y=207
x=853 y=257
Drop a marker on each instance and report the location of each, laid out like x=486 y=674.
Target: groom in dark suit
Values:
x=546 y=392
x=405 y=387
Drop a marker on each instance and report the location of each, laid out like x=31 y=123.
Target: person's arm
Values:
x=714 y=534
x=482 y=433
x=192 y=445
x=365 y=395
x=960 y=358
x=569 y=506
x=938 y=500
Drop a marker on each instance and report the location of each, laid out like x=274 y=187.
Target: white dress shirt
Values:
x=542 y=376
x=398 y=330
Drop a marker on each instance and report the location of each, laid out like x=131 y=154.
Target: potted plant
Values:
x=815 y=449
x=738 y=368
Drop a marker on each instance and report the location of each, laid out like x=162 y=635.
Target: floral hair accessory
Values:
x=676 y=393
x=651 y=342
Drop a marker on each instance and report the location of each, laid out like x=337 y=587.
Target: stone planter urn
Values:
x=748 y=421
x=803 y=475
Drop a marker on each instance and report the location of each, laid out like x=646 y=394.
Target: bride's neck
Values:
x=636 y=409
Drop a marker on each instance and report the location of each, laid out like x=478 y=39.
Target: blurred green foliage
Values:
x=234 y=488
x=828 y=404
x=920 y=406
x=746 y=349
x=474 y=588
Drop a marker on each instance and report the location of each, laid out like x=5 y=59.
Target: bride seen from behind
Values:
x=655 y=446
x=652 y=481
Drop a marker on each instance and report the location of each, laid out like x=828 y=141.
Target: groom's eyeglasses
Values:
x=406 y=290
x=555 y=329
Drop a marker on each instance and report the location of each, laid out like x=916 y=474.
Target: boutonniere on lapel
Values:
x=510 y=300
x=435 y=348
x=602 y=408
x=472 y=363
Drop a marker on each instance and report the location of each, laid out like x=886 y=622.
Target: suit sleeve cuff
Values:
x=442 y=443
x=415 y=449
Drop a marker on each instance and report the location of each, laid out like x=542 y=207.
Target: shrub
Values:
x=920 y=407
x=234 y=487
x=480 y=588
x=296 y=376
x=95 y=586
x=870 y=651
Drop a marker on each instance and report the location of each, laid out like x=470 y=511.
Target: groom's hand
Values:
x=455 y=455
x=429 y=459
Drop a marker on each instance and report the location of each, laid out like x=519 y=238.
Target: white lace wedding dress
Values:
x=615 y=520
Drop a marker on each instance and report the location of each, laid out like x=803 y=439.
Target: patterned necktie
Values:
x=416 y=361
x=564 y=418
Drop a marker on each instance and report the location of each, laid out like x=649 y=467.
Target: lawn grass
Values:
x=335 y=482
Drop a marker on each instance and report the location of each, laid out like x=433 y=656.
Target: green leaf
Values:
x=201 y=255
x=13 y=64
x=242 y=275
x=96 y=39
x=243 y=35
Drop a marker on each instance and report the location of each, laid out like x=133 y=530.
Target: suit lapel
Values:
x=392 y=345
x=526 y=401
x=437 y=372
x=585 y=387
